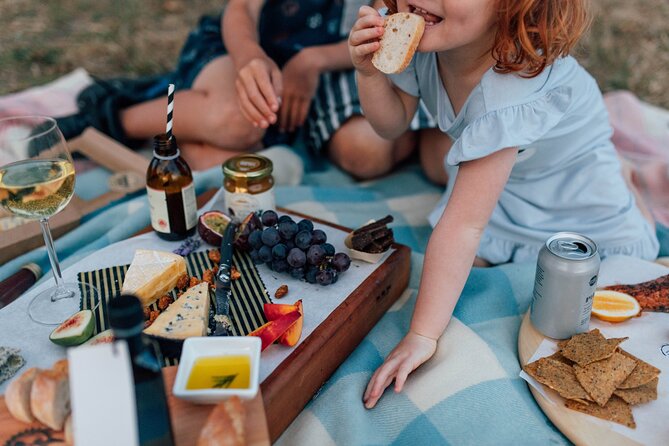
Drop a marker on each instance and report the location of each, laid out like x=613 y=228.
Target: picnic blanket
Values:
x=469 y=393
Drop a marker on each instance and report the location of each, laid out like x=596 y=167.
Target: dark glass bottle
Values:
x=153 y=417
x=171 y=191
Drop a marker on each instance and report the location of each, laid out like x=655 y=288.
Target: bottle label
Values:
x=160 y=220
x=243 y=204
x=190 y=205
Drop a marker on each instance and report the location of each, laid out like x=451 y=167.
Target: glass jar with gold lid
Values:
x=248 y=184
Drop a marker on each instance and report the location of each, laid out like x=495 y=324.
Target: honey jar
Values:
x=248 y=184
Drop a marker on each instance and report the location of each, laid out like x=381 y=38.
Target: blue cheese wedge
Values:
x=153 y=274
x=187 y=317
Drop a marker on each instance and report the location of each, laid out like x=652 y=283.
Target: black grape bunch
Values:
x=296 y=248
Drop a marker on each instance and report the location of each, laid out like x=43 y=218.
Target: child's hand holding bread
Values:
x=386 y=45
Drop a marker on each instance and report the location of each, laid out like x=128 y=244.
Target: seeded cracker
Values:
x=559 y=357
x=589 y=347
x=639 y=395
x=601 y=378
x=559 y=377
x=615 y=410
x=642 y=374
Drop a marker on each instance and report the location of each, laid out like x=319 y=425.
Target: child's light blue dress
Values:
x=567 y=176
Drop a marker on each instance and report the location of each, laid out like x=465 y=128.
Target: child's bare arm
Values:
x=259 y=83
x=448 y=260
x=387 y=108
x=453 y=244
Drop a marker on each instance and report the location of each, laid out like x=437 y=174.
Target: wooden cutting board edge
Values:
x=187 y=419
x=580 y=428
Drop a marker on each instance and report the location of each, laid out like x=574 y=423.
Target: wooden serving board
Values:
x=580 y=428
x=187 y=422
x=297 y=379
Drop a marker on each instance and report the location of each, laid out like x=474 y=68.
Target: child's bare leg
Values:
x=434 y=146
x=481 y=263
x=358 y=150
x=207 y=114
x=201 y=156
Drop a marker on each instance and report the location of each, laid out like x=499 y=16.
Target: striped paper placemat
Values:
x=246 y=306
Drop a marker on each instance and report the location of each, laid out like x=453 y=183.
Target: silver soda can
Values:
x=564 y=285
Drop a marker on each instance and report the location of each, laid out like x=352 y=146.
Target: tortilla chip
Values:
x=615 y=410
x=601 y=378
x=559 y=377
x=586 y=348
x=642 y=374
x=639 y=395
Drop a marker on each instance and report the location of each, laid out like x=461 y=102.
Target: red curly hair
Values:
x=532 y=34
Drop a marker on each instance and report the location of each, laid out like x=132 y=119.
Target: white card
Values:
x=103 y=395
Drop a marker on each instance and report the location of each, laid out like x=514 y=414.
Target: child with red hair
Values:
x=529 y=151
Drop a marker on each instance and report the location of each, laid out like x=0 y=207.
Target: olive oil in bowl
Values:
x=220 y=372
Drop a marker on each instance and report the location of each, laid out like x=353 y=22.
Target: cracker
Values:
x=601 y=378
x=615 y=410
x=559 y=377
x=557 y=356
x=586 y=348
x=642 y=374
x=639 y=395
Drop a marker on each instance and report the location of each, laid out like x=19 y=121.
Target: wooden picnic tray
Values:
x=187 y=422
x=297 y=379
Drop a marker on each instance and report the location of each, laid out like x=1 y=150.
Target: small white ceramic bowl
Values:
x=194 y=348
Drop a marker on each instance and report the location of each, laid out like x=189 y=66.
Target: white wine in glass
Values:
x=36 y=182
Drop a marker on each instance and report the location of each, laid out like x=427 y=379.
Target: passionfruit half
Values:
x=211 y=226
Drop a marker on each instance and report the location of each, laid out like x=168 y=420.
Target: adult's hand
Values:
x=300 y=81
x=259 y=89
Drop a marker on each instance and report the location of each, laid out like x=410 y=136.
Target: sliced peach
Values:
x=271 y=331
x=292 y=335
x=274 y=311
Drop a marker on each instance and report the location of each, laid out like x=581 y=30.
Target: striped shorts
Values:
x=336 y=100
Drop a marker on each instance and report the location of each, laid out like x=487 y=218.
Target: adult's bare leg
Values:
x=360 y=151
x=207 y=114
x=433 y=147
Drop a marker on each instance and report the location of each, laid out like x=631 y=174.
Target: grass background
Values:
x=627 y=46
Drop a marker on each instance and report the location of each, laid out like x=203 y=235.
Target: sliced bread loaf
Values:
x=403 y=32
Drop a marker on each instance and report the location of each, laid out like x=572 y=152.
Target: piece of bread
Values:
x=399 y=42
x=152 y=274
x=50 y=397
x=17 y=397
x=225 y=425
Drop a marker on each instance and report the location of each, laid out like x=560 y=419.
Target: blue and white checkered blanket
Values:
x=469 y=393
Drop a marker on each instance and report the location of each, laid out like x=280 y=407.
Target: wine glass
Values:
x=36 y=182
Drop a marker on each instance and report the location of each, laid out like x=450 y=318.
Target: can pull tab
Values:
x=572 y=246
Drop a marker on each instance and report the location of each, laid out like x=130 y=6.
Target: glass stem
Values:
x=59 y=293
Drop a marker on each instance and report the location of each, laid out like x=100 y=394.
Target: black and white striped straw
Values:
x=170 y=111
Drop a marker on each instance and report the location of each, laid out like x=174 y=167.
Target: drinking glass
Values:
x=37 y=182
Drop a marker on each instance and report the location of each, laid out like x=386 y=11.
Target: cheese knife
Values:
x=224 y=283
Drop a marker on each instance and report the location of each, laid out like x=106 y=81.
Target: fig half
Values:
x=250 y=224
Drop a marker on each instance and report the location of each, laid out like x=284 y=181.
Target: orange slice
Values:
x=612 y=306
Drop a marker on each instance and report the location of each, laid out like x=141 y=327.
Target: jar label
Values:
x=243 y=204
x=160 y=220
